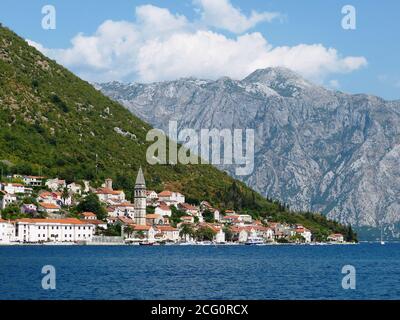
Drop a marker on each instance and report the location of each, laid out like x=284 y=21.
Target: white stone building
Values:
x=7 y=231
x=56 y=184
x=6 y=199
x=74 y=188
x=171 y=197
x=13 y=188
x=163 y=209
x=33 y=181
x=52 y=230
x=169 y=233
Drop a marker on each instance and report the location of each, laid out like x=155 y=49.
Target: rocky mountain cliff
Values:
x=315 y=149
x=55 y=124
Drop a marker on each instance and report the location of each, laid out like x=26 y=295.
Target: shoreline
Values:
x=56 y=244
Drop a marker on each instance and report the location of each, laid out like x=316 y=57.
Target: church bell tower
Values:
x=140 y=199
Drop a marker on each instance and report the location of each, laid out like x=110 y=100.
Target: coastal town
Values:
x=40 y=210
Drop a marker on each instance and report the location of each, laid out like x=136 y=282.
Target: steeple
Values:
x=140 y=178
x=140 y=199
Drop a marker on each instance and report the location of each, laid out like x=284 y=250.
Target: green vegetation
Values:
x=208 y=216
x=91 y=203
x=187 y=231
x=55 y=124
x=176 y=215
x=113 y=230
x=204 y=234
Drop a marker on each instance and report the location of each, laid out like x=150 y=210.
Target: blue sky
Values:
x=197 y=38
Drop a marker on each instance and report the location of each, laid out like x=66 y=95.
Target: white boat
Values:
x=382 y=242
x=187 y=243
x=254 y=240
x=204 y=243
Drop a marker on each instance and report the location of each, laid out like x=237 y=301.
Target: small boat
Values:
x=382 y=242
x=204 y=243
x=146 y=243
x=187 y=243
x=254 y=240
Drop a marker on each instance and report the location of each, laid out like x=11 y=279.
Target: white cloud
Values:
x=160 y=45
x=222 y=14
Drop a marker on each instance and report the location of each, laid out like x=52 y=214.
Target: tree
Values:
x=228 y=234
x=297 y=238
x=208 y=216
x=113 y=230
x=64 y=195
x=205 y=233
x=128 y=230
x=350 y=235
x=140 y=234
x=186 y=231
x=91 y=203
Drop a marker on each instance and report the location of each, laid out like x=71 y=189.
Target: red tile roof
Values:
x=164 y=207
x=153 y=216
x=48 y=205
x=165 y=193
x=166 y=228
x=88 y=214
x=138 y=227
x=108 y=191
x=53 y=221
x=187 y=206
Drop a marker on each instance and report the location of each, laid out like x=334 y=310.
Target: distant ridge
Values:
x=54 y=123
x=316 y=149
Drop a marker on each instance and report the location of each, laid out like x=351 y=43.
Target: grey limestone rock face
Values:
x=315 y=149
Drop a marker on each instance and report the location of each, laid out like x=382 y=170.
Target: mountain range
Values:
x=52 y=123
x=316 y=149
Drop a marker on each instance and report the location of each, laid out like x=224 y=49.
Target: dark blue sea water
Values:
x=201 y=272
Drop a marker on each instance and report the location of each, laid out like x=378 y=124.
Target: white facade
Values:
x=52 y=230
x=56 y=184
x=171 y=198
x=151 y=195
x=74 y=188
x=216 y=215
x=122 y=210
x=33 y=181
x=220 y=236
x=163 y=211
x=307 y=235
x=110 y=196
x=169 y=233
x=13 y=188
x=48 y=207
x=245 y=218
x=6 y=232
x=6 y=199
x=243 y=236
